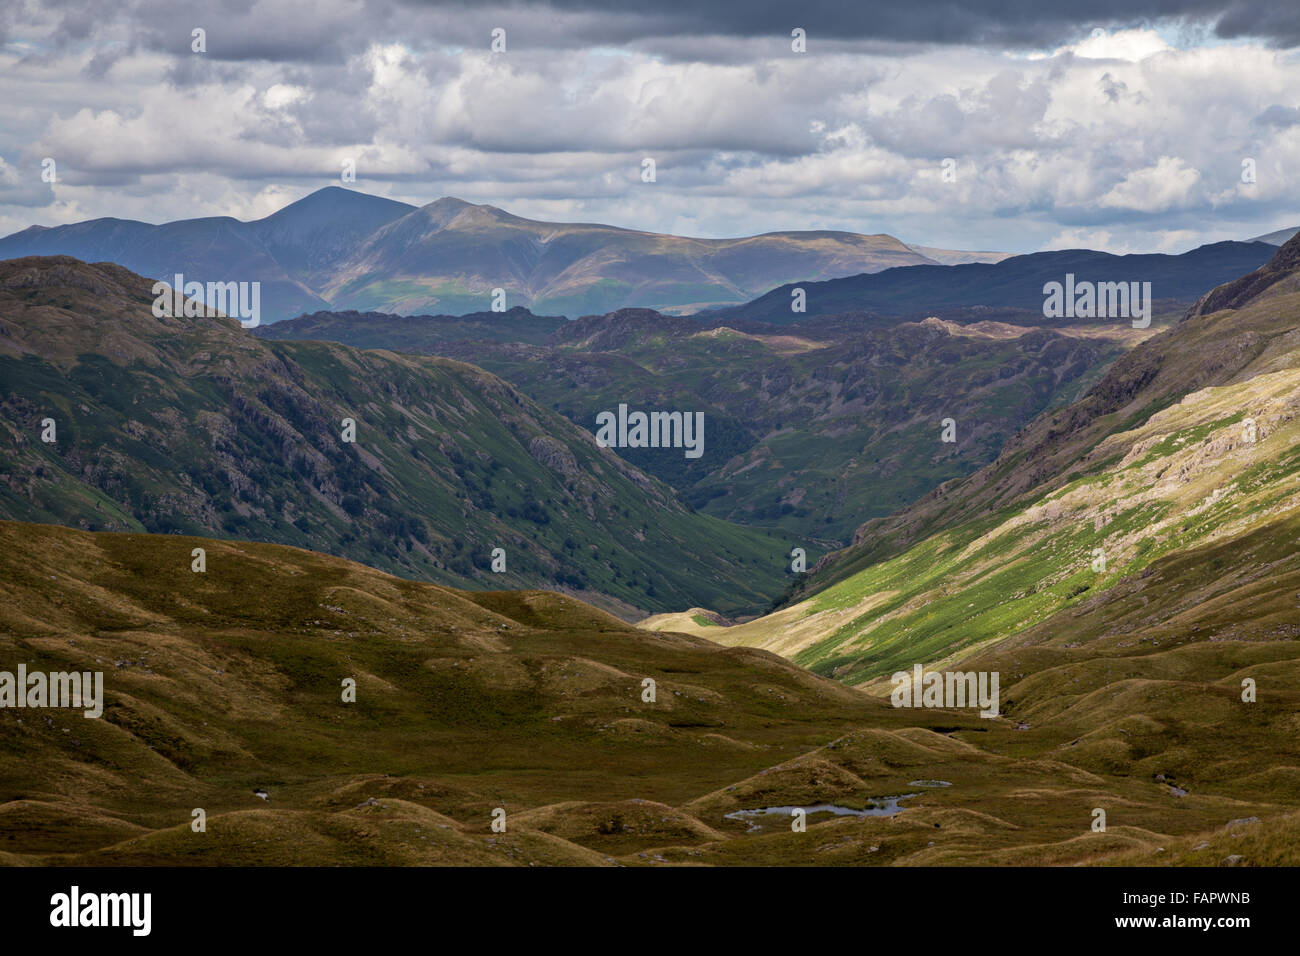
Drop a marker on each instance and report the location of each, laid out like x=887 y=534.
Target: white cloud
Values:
x=1119 y=135
x=1101 y=239
x=1171 y=182
x=1131 y=45
x=281 y=95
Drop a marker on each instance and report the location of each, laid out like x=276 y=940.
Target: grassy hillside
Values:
x=1207 y=349
x=1186 y=482
x=1189 y=446
x=532 y=702
x=194 y=426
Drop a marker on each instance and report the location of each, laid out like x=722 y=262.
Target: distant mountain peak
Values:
x=31 y=230
x=329 y=194
x=449 y=202
x=331 y=200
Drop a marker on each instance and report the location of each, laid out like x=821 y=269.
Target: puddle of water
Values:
x=882 y=807
x=929 y=783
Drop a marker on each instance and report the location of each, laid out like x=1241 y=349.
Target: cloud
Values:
x=1169 y=183
x=23 y=187
x=1131 y=45
x=319 y=31
x=1054 y=130
x=1167 y=241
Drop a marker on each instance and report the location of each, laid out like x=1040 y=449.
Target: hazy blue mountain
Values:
x=282 y=251
x=1012 y=287
x=311 y=235
x=342 y=249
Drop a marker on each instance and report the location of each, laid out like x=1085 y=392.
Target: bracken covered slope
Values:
x=223 y=683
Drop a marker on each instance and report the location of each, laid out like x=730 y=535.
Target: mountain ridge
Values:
x=343 y=249
x=1012 y=286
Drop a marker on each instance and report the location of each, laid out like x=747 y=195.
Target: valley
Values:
x=442 y=440
x=812 y=429
x=1157 y=473
x=191 y=425
x=1114 y=561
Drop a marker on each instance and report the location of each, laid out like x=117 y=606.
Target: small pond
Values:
x=881 y=807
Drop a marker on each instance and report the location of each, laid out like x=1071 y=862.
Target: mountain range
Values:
x=338 y=248
x=286 y=252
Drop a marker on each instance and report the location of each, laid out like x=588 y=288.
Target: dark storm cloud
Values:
x=1024 y=23
x=330 y=30
x=1277 y=21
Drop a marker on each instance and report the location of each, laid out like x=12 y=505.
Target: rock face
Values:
x=553 y=455
x=1282 y=268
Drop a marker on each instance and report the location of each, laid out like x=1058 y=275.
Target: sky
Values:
x=1007 y=125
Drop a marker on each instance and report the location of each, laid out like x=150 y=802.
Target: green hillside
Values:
x=810 y=432
x=1187 y=480
x=1161 y=464
x=1220 y=348
x=193 y=426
